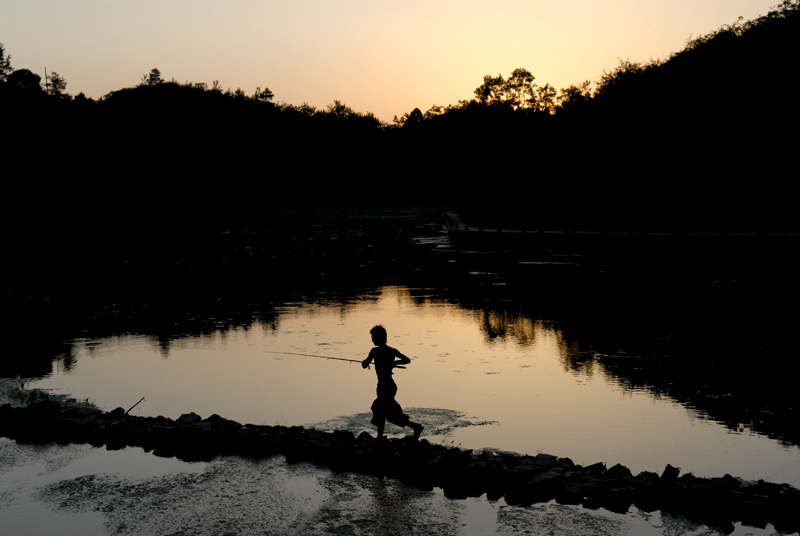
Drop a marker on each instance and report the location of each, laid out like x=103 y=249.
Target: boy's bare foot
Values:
x=417 y=430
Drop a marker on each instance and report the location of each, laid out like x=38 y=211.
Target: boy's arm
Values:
x=403 y=360
x=367 y=361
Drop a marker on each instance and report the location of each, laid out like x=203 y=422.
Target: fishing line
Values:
x=322 y=357
x=314 y=355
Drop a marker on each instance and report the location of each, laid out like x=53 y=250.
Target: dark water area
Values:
x=717 y=333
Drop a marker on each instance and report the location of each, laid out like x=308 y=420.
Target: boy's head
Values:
x=378 y=334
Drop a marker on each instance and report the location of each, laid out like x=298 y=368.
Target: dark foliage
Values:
x=702 y=139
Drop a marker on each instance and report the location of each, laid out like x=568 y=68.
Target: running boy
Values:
x=385 y=408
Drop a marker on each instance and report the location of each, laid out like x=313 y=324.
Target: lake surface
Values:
x=504 y=372
x=520 y=350
x=517 y=394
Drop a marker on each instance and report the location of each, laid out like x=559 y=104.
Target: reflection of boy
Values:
x=385 y=408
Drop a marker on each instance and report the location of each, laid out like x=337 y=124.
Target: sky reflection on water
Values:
x=524 y=388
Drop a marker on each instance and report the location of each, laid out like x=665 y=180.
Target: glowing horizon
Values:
x=373 y=56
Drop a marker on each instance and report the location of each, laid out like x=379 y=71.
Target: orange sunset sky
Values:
x=384 y=57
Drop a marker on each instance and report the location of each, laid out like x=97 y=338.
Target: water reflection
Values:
x=725 y=348
x=532 y=384
x=742 y=378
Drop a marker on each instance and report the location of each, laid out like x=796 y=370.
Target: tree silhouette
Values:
x=519 y=90
x=57 y=86
x=153 y=78
x=682 y=118
x=574 y=97
x=264 y=95
x=492 y=92
x=626 y=75
x=25 y=81
x=339 y=109
x=5 y=64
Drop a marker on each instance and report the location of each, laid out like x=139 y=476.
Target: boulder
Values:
x=189 y=418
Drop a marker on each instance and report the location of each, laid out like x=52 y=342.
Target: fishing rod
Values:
x=136 y=404
x=321 y=357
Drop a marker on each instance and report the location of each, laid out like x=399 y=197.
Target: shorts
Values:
x=385 y=407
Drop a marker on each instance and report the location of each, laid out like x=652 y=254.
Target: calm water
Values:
x=635 y=358
x=513 y=393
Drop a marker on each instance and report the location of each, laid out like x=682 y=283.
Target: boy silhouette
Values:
x=385 y=408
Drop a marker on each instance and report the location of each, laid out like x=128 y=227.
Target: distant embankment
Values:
x=521 y=480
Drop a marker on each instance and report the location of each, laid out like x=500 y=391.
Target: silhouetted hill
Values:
x=707 y=135
x=725 y=92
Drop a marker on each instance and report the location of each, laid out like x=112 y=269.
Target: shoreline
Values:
x=518 y=479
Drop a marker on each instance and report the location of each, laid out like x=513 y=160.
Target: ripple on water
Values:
x=437 y=422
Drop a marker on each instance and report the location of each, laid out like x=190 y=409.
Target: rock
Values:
x=670 y=473
x=518 y=475
x=189 y=418
x=570 y=490
x=220 y=422
x=364 y=436
x=616 y=499
x=541 y=487
x=594 y=469
x=544 y=460
x=646 y=489
x=617 y=472
x=566 y=464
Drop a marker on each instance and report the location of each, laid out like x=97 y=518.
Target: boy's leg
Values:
x=417 y=427
x=379 y=415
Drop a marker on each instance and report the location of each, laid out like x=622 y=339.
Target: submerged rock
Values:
x=719 y=502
